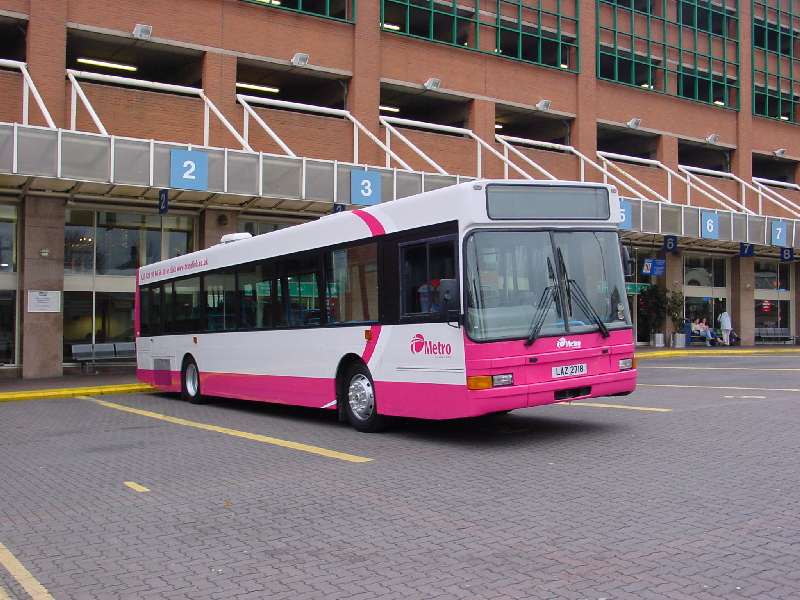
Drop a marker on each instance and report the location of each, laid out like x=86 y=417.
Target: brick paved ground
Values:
x=555 y=502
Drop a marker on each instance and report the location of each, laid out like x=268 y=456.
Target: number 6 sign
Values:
x=365 y=187
x=188 y=169
x=709 y=225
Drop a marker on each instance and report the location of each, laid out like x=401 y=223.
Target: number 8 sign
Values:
x=365 y=187
x=709 y=225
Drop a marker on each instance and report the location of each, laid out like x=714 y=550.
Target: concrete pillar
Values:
x=42 y=333
x=219 y=84
x=46 y=56
x=214 y=223
x=481 y=121
x=364 y=92
x=584 y=131
x=742 y=298
x=673 y=282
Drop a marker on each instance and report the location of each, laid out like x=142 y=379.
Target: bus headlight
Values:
x=485 y=382
x=625 y=364
x=502 y=380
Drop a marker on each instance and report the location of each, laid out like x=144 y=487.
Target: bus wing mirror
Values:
x=627 y=261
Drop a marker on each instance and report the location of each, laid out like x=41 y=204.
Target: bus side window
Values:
x=429 y=283
x=220 y=292
x=352 y=280
x=301 y=294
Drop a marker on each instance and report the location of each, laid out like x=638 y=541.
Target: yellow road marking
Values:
x=256 y=437
x=22 y=576
x=136 y=487
x=718 y=387
x=719 y=368
x=97 y=390
x=620 y=406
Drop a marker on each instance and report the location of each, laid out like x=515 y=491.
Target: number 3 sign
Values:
x=188 y=169
x=365 y=187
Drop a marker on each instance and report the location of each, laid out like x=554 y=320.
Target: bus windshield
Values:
x=523 y=284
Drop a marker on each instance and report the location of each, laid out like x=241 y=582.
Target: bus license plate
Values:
x=570 y=370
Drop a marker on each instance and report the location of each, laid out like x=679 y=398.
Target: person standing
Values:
x=724 y=320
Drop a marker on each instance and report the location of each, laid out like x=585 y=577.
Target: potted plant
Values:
x=653 y=306
x=675 y=313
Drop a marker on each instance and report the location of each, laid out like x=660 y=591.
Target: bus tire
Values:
x=360 y=402
x=190 y=382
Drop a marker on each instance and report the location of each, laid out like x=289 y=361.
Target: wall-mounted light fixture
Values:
x=142 y=31
x=634 y=123
x=712 y=138
x=543 y=104
x=300 y=59
x=432 y=84
x=779 y=152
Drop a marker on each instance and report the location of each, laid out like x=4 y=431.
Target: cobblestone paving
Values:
x=558 y=502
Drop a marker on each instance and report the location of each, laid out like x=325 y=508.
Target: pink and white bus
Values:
x=482 y=297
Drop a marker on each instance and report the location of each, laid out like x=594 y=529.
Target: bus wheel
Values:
x=360 y=403
x=190 y=382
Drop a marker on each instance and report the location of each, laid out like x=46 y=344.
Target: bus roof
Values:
x=428 y=208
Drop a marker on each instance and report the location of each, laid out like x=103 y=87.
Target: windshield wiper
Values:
x=540 y=314
x=581 y=299
x=545 y=302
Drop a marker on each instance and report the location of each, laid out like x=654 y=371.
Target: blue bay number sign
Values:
x=626 y=209
x=709 y=225
x=779 y=233
x=188 y=169
x=365 y=187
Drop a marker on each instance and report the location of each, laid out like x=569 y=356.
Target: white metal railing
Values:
x=208 y=105
x=765 y=186
x=685 y=175
x=358 y=126
x=390 y=122
x=508 y=146
x=761 y=192
x=28 y=89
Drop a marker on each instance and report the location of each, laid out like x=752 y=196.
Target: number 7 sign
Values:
x=779 y=233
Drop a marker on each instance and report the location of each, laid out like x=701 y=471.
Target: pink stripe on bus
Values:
x=137 y=319
x=369 y=349
x=374 y=225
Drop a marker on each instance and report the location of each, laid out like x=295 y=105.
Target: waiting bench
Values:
x=84 y=353
x=774 y=334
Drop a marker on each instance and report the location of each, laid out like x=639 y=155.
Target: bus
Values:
x=482 y=297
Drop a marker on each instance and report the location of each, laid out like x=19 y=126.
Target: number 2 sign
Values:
x=188 y=169
x=365 y=187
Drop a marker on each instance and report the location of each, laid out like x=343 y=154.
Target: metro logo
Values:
x=419 y=345
x=565 y=343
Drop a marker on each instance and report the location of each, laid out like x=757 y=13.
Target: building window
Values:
x=771 y=275
x=113 y=324
x=341 y=10
x=703 y=271
x=261 y=227
x=352 y=276
x=122 y=242
x=772 y=314
x=8 y=326
x=8 y=239
x=528 y=30
x=776 y=59
x=687 y=49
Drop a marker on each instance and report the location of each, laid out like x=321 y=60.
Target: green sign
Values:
x=635 y=288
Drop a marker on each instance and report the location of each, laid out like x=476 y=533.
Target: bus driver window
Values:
x=429 y=276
